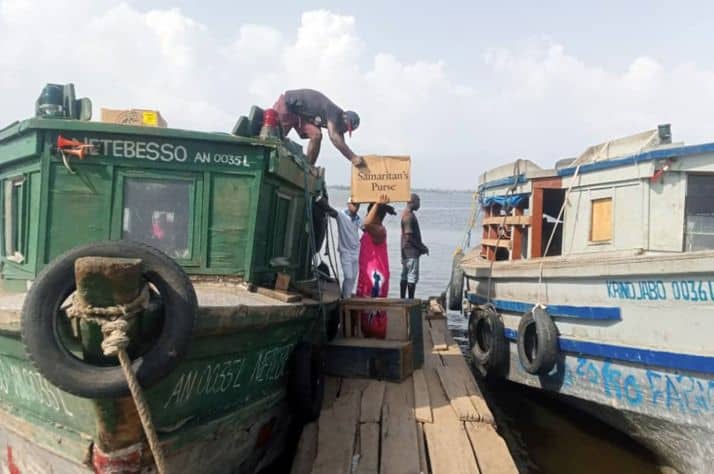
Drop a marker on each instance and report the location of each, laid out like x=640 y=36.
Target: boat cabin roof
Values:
x=639 y=193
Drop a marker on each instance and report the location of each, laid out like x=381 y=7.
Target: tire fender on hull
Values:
x=487 y=340
x=41 y=310
x=537 y=342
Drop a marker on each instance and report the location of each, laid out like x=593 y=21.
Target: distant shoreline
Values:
x=343 y=187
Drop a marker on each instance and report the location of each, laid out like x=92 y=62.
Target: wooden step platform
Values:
x=435 y=421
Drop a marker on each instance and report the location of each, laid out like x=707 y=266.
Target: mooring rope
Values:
x=114 y=323
x=539 y=295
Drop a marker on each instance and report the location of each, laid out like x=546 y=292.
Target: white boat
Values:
x=595 y=280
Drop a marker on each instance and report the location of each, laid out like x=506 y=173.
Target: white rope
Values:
x=552 y=234
x=114 y=322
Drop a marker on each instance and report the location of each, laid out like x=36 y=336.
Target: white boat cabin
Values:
x=640 y=193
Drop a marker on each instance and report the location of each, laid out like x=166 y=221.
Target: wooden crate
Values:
x=372 y=358
x=404 y=321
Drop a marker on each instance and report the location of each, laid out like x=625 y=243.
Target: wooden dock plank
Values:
x=491 y=451
x=368 y=448
x=336 y=436
x=399 y=431
x=306 y=450
x=421 y=441
x=438 y=339
x=332 y=388
x=454 y=359
x=449 y=448
x=422 y=406
x=353 y=385
x=456 y=392
x=372 y=398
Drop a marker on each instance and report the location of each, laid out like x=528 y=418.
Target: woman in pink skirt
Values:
x=373 y=278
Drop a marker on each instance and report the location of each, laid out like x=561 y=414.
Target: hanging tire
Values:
x=487 y=340
x=55 y=283
x=306 y=384
x=537 y=342
x=455 y=292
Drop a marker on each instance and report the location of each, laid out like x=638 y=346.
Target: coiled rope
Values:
x=114 y=323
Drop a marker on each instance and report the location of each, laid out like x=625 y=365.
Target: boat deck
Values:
x=435 y=421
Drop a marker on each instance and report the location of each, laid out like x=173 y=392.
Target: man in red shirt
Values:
x=308 y=112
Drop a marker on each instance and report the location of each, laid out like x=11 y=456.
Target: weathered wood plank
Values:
x=353 y=385
x=491 y=451
x=438 y=341
x=306 y=450
x=336 y=436
x=372 y=398
x=458 y=397
x=399 y=432
x=503 y=243
x=453 y=358
x=423 y=464
x=509 y=220
x=422 y=406
x=279 y=295
x=368 y=448
x=332 y=388
x=449 y=447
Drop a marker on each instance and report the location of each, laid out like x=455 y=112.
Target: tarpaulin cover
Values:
x=507 y=200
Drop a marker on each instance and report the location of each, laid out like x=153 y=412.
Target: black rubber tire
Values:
x=537 y=342
x=56 y=281
x=487 y=340
x=306 y=384
x=455 y=292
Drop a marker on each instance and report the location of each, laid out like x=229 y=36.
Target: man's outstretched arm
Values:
x=338 y=139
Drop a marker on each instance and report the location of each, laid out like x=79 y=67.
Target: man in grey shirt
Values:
x=349 y=225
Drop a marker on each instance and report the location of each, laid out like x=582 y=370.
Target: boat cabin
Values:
x=219 y=204
x=639 y=194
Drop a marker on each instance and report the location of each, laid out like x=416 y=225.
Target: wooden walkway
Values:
x=436 y=421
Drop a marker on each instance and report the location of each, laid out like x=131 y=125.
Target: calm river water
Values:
x=544 y=435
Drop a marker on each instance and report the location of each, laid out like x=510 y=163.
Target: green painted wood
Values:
x=229 y=221
x=18 y=148
x=245 y=205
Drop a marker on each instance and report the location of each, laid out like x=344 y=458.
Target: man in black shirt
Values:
x=412 y=248
x=308 y=111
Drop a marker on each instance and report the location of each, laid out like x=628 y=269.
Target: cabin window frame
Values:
x=16 y=199
x=195 y=211
x=288 y=247
x=593 y=199
x=687 y=197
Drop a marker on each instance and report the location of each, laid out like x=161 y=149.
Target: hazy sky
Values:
x=460 y=86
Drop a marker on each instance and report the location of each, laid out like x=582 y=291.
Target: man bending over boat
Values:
x=412 y=248
x=308 y=112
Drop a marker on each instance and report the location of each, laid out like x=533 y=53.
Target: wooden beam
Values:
x=553 y=182
x=502 y=243
x=518 y=232
x=508 y=220
x=537 y=223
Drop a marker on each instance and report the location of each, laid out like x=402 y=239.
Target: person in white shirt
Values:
x=349 y=225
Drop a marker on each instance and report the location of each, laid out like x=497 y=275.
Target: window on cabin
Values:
x=601 y=220
x=158 y=213
x=284 y=228
x=15 y=203
x=699 y=211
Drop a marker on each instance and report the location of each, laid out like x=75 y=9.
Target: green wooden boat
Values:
x=231 y=211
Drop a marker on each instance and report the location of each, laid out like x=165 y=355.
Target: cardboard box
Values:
x=140 y=117
x=390 y=175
